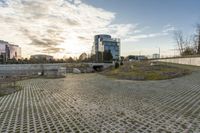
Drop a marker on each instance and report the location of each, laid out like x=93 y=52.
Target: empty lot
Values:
x=93 y=103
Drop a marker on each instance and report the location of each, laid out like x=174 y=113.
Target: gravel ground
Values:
x=92 y=103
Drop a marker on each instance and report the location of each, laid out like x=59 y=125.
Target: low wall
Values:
x=29 y=69
x=48 y=69
x=195 y=61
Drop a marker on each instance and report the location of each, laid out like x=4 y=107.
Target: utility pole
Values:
x=158 y=51
x=139 y=53
x=174 y=51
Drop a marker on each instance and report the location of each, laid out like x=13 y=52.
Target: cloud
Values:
x=66 y=26
x=144 y=36
x=49 y=24
x=53 y=50
x=168 y=28
x=136 y=37
x=49 y=39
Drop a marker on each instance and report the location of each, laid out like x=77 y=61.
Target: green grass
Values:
x=146 y=71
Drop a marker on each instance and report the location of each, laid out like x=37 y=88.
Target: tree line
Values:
x=82 y=58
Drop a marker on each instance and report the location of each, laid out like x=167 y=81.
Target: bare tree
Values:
x=178 y=37
x=195 y=43
x=198 y=39
x=190 y=44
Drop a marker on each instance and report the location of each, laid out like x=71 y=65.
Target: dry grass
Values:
x=76 y=65
x=146 y=71
x=8 y=88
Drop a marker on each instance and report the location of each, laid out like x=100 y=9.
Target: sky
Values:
x=65 y=28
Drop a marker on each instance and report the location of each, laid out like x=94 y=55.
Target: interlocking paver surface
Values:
x=93 y=103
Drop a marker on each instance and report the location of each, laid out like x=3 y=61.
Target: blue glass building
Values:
x=106 y=49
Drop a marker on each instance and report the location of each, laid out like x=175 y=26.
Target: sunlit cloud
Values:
x=167 y=29
x=64 y=26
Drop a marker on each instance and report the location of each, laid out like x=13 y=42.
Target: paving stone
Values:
x=91 y=103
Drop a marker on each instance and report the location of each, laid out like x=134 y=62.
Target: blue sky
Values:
x=154 y=14
x=64 y=28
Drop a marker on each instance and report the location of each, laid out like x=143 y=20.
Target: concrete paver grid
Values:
x=93 y=103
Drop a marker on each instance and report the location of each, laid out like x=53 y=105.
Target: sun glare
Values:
x=73 y=47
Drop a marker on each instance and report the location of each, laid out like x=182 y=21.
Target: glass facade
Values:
x=113 y=47
x=105 y=48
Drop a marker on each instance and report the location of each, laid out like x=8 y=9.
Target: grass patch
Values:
x=147 y=71
x=76 y=65
x=9 y=88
